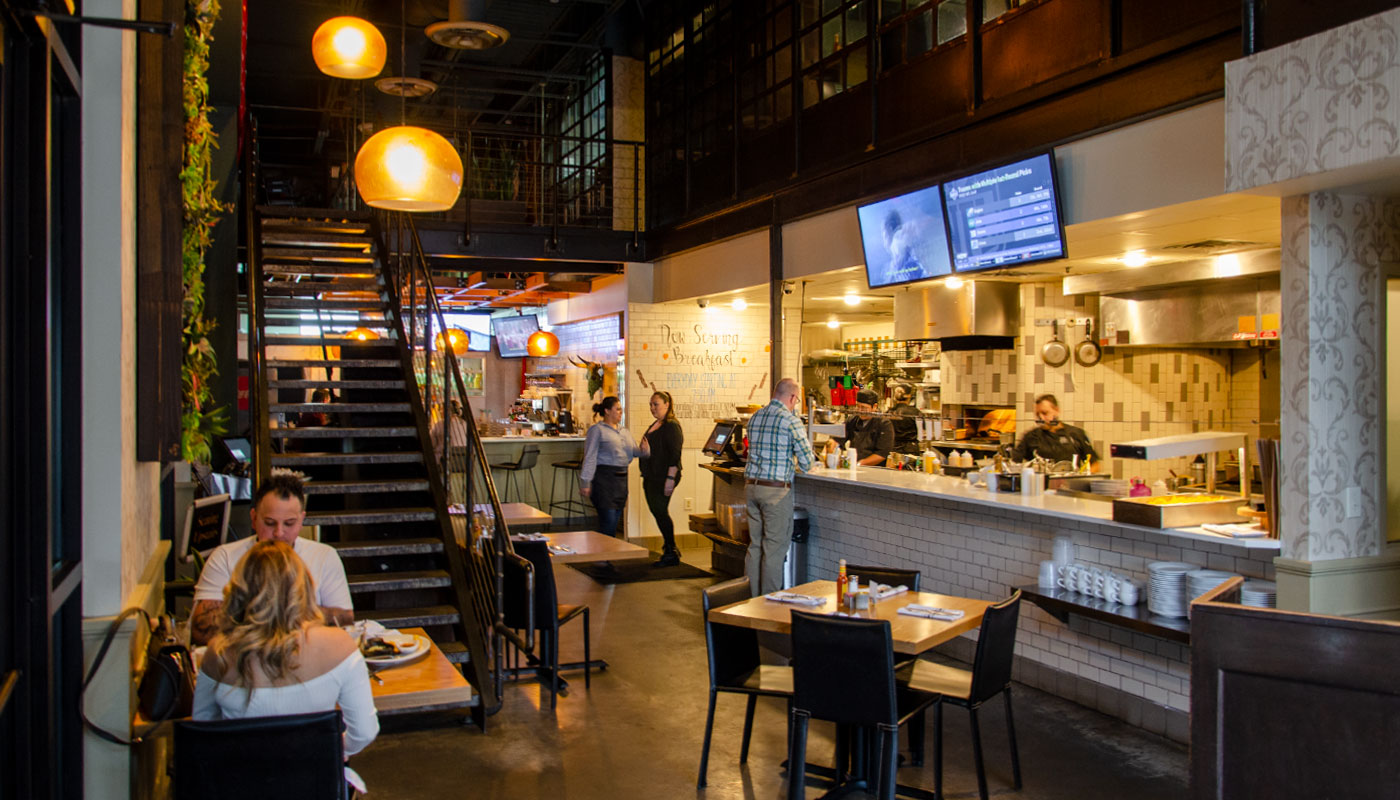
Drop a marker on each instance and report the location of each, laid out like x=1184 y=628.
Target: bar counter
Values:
x=972 y=543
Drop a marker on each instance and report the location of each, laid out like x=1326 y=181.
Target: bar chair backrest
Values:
x=996 y=644
x=890 y=576
x=843 y=669
x=733 y=651
x=296 y=757
x=529 y=455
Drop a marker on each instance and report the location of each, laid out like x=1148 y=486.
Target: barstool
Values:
x=529 y=455
x=570 y=501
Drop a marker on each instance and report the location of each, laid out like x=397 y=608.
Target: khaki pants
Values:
x=770 y=534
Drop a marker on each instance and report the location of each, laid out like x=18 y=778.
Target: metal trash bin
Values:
x=795 y=565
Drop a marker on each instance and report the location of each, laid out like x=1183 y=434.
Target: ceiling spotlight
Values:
x=1136 y=258
x=1227 y=266
x=348 y=47
x=464 y=31
x=852 y=299
x=833 y=323
x=703 y=302
x=739 y=304
x=953 y=282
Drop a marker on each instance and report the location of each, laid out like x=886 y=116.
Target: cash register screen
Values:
x=719 y=437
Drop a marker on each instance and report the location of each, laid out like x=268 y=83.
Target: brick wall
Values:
x=977 y=552
x=1130 y=394
x=593 y=340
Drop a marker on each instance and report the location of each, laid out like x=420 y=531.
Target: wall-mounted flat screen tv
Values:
x=513 y=334
x=904 y=238
x=1005 y=216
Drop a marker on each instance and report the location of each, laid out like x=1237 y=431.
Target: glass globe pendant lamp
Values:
x=542 y=343
x=348 y=47
x=407 y=168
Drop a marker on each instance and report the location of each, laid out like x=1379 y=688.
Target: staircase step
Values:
x=331 y=304
x=314 y=214
x=342 y=384
x=390 y=581
x=319 y=225
x=302 y=255
x=367 y=486
x=330 y=340
x=386 y=363
x=339 y=408
x=327 y=269
x=456 y=652
x=316 y=459
x=290 y=289
x=308 y=237
x=411 y=617
x=341 y=433
x=387 y=547
x=377 y=516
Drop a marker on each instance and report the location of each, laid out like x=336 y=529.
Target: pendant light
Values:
x=407 y=168
x=362 y=335
x=542 y=343
x=348 y=47
x=455 y=338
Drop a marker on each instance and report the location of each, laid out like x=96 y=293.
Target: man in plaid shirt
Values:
x=776 y=436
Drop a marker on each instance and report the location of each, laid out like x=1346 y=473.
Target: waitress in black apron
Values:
x=608 y=449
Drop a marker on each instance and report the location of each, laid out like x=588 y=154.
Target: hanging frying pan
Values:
x=1088 y=352
x=1054 y=353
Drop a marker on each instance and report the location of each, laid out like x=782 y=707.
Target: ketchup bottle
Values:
x=841 y=581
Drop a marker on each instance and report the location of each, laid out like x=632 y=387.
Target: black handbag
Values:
x=167 y=686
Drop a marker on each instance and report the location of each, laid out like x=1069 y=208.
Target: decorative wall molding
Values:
x=1348 y=587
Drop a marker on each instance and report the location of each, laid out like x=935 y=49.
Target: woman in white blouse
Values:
x=275 y=656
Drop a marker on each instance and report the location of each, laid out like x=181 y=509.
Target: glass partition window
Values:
x=833 y=47
x=765 y=64
x=910 y=28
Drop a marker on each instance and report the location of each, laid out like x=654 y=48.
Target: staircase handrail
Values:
x=257 y=364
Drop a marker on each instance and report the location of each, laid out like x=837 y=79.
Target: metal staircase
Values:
x=374 y=492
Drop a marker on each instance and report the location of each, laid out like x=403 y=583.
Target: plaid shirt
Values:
x=775 y=436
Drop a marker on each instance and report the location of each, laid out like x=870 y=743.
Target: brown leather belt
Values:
x=774 y=484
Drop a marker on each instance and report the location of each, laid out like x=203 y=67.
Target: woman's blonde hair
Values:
x=267 y=602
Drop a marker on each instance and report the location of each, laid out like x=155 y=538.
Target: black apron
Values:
x=609 y=487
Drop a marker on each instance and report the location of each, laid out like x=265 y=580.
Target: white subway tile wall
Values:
x=1130 y=394
x=983 y=553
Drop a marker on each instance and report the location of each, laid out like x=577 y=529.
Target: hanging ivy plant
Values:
x=200 y=419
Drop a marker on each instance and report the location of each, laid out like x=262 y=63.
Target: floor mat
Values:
x=638 y=571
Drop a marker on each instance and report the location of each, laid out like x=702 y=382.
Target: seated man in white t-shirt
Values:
x=279 y=508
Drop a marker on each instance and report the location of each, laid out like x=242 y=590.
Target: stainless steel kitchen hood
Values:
x=979 y=315
x=1206 y=314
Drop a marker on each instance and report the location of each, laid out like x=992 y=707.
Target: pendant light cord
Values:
x=403 y=60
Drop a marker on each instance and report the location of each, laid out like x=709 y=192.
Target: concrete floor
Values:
x=637 y=733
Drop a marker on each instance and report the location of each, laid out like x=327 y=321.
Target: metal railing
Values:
x=257 y=364
x=458 y=455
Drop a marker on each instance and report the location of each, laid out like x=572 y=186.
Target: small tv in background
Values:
x=904 y=238
x=513 y=334
x=1005 y=216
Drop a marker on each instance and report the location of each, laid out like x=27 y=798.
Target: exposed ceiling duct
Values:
x=464 y=28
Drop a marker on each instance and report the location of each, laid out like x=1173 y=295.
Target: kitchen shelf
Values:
x=1060 y=603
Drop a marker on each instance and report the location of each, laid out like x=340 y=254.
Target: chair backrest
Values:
x=297 y=757
x=996 y=644
x=733 y=651
x=546 y=596
x=890 y=576
x=517 y=578
x=529 y=455
x=843 y=669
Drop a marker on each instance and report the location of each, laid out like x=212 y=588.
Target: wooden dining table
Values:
x=430 y=683
x=591 y=547
x=912 y=635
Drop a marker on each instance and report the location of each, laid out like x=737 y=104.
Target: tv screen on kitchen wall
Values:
x=513 y=334
x=904 y=238
x=1005 y=216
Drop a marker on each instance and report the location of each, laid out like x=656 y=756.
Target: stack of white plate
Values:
x=1111 y=487
x=1200 y=581
x=1260 y=594
x=1166 y=588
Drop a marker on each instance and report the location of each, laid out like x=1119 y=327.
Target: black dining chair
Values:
x=734 y=665
x=296 y=757
x=529 y=456
x=843 y=672
x=989 y=677
x=549 y=613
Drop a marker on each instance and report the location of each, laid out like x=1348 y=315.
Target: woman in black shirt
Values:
x=661 y=471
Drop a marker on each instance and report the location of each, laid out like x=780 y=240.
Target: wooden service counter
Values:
x=974 y=543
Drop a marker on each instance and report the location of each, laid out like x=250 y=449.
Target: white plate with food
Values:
x=393 y=649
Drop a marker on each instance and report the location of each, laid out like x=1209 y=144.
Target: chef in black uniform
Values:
x=1053 y=439
x=906 y=424
x=872 y=437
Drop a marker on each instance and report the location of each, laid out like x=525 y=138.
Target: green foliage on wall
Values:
x=201 y=420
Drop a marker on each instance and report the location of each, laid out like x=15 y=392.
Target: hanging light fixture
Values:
x=348 y=47
x=455 y=338
x=464 y=30
x=407 y=168
x=542 y=343
x=362 y=335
